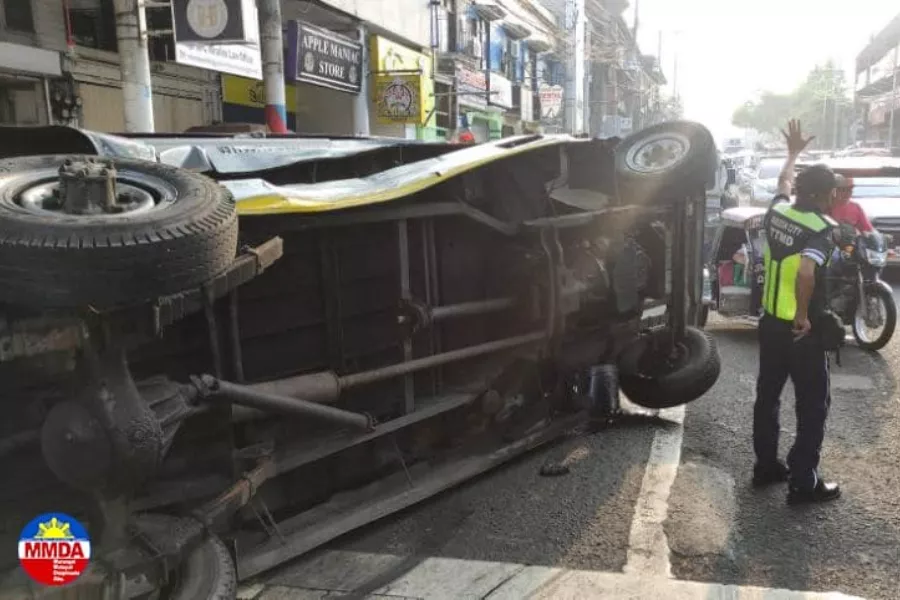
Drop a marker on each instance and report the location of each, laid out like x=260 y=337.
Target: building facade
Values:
x=489 y=55
x=877 y=97
x=31 y=46
x=422 y=69
x=609 y=87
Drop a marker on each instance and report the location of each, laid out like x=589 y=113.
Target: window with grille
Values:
x=160 y=47
x=443 y=103
x=94 y=24
x=18 y=15
x=510 y=60
x=448 y=26
x=472 y=41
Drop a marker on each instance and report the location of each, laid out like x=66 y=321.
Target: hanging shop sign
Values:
x=236 y=59
x=213 y=21
x=526 y=104
x=471 y=87
x=242 y=59
x=501 y=91
x=404 y=87
x=398 y=99
x=321 y=57
x=551 y=100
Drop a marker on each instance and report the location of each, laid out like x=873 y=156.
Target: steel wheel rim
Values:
x=861 y=322
x=658 y=153
x=138 y=193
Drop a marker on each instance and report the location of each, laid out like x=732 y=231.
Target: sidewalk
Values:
x=334 y=574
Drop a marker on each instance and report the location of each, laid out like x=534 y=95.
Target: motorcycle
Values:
x=857 y=293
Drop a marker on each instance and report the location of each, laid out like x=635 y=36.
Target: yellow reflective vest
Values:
x=792 y=233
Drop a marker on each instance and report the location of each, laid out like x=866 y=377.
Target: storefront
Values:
x=484 y=121
x=183 y=96
x=403 y=102
x=326 y=70
x=244 y=101
x=25 y=76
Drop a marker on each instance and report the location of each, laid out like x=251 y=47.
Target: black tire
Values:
x=52 y=259
x=689 y=168
x=890 y=321
x=207 y=573
x=704 y=316
x=650 y=381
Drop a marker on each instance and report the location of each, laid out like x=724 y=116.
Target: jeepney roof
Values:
x=738 y=216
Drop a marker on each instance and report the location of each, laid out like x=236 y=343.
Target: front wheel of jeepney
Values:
x=664 y=162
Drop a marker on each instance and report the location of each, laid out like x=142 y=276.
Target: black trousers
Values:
x=806 y=363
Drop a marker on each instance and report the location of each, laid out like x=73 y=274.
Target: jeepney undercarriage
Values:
x=213 y=397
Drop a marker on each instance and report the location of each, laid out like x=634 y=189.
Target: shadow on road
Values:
x=852 y=545
x=513 y=514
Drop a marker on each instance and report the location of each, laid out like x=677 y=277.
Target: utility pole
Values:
x=675 y=77
x=893 y=99
x=834 y=130
x=271 y=49
x=361 y=101
x=574 y=92
x=137 y=89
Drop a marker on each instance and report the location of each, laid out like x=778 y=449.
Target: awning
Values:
x=516 y=31
x=538 y=43
x=488 y=10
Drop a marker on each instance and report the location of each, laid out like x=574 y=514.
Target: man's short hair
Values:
x=842 y=182
x=815 y=181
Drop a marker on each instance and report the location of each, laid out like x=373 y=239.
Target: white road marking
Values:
x=437 y=578
x=843 y=381
x=648 y=548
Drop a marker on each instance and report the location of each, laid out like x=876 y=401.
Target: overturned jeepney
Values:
x=220 y=352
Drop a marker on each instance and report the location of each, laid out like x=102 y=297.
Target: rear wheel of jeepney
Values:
x=665 y=162
x=207 y=573
x=655 y=376
x=76 y=231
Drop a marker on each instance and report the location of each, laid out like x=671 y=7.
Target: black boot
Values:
x=767 y=474
x=823 y=492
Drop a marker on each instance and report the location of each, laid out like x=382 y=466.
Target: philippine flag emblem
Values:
x=54 y=549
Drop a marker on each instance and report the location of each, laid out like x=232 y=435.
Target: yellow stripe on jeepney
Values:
x=375 y=189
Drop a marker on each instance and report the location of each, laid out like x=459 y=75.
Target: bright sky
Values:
x=729 y=49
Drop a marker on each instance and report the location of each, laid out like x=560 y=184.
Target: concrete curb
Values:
x=336 y=573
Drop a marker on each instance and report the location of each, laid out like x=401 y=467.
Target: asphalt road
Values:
x=717 y=528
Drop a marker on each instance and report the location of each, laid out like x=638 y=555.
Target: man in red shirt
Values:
x=845 y=210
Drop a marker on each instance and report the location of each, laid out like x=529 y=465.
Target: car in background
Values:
x=876 y=188
x=861 y=152
x=762 y=183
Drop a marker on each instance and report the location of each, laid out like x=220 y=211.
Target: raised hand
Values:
x=794 y=138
